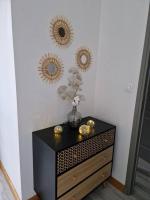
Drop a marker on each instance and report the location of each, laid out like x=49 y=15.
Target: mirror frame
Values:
x=55 y=25
x=45 y=61
x=83 y=52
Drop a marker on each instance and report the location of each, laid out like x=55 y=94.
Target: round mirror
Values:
x=83 y=58
x=50 y=68
x=61 y=31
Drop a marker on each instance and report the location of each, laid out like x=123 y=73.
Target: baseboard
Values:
x=34 y=198
x=7 y=178
x=117 y=184
x=112 y=180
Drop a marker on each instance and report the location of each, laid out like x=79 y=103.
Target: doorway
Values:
x=140 y=140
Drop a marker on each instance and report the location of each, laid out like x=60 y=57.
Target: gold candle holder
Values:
x=58 y=129
x=84 y=129
x=91 y=123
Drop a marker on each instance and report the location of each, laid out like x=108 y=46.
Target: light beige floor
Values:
x=5 y=193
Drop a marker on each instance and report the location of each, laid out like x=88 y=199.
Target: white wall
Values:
x=38 y=103
x=9 y=144
x=118 y=28
x=121 y=39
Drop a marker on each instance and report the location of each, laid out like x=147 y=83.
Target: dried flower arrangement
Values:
x=71 y=92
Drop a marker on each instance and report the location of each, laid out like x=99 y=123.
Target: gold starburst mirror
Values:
x=83 y=58
x=61 y=31
x=50 y=68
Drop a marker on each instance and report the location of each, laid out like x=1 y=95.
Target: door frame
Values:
x=144 y=81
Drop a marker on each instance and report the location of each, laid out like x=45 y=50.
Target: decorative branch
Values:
x=71 y=91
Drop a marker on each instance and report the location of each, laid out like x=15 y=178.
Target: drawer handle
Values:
x=74 y=178
x=106 y=140
x=103 y=175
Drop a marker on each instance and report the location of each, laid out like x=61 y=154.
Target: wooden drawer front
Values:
x=88 y=185
x=74 y=155
x=79 y=173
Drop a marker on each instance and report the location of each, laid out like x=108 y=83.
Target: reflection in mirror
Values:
x=61 y=31
x=83 y=59
x=50 y=68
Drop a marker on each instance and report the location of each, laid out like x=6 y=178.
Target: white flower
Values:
x=76 y=101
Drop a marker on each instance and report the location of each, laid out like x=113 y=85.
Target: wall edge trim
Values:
x=118 y=185
x=8 y=180
x=114 y=182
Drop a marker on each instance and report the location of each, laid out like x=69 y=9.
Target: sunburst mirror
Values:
x=61 y=31
x=50 y=68
x=83 y=58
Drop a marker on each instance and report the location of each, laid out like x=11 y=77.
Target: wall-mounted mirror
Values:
x=61 y=31
x=50 y=68
x=83 y=58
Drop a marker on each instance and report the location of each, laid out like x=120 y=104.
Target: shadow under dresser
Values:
x=69 y=166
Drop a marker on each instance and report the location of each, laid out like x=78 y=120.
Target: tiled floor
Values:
x=5 y=193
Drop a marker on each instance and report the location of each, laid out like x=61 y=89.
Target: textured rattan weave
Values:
x=74 y=155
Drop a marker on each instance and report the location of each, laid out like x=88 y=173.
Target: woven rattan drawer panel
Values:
x=74 y=155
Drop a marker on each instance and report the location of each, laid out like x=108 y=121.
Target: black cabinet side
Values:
x=44 y=168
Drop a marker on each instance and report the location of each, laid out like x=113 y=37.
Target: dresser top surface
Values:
x=70 y=137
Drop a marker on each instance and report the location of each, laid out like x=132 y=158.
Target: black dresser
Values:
x=69 y=166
